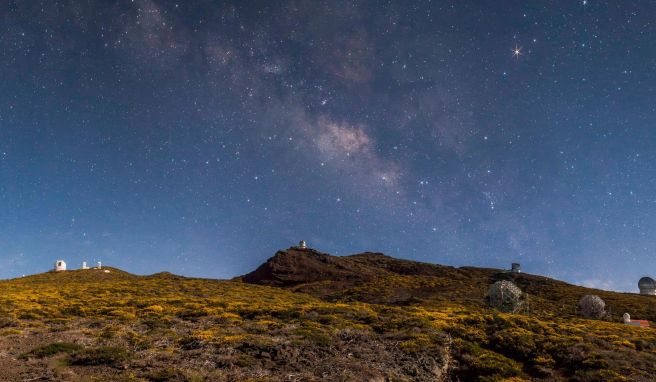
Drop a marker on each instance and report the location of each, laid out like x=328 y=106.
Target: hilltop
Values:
x=377 y=278
x=304 y=315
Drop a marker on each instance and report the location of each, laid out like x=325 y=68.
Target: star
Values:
x=517 y=51
x=255 y=120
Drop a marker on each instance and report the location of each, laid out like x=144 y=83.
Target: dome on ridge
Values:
x=647 y=285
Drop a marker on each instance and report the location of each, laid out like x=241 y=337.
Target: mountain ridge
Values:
x=355 y=278
x=311 y=316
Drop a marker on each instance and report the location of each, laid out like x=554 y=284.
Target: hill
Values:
x=308 y=316
x=377 y=278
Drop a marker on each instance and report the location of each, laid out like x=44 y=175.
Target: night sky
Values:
x=199 y=137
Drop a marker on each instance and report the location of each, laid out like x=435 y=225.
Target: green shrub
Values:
x=51 y=349
x=478 y=364
x=515 y=342
x=104 y=355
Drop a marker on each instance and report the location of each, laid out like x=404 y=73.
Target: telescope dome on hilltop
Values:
x=60 y=265
x=647 y=285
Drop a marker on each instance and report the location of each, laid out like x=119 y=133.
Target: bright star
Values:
x=517 y=51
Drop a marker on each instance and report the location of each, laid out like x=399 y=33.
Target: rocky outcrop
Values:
x=304 y=265
x=296 y=266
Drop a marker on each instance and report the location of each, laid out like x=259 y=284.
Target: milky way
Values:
x=199 y=137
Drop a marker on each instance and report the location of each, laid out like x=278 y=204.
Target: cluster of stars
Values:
x=206 y=127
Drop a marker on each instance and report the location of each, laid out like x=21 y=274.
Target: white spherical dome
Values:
x=60 y=265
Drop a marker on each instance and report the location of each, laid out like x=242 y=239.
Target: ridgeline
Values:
x=304 y=315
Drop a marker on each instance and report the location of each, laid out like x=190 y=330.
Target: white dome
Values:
x=60 y=265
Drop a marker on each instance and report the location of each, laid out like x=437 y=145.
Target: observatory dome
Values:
x=647 y=285
x=60 y=265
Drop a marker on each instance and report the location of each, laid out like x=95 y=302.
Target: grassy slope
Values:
x=164 y=327
x=551 y=343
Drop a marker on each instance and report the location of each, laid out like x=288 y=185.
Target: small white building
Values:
x=84 y=265
x=640 y=323
x=302 y=244
x=60 y=265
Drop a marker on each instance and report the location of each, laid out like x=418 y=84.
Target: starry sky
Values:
x=199 y=137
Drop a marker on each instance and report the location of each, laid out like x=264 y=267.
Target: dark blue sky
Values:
x=199 y=137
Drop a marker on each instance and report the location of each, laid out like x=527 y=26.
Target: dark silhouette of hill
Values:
x=307 y=315
x=377 y=278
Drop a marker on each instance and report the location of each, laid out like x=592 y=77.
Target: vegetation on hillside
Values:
x=405 y=322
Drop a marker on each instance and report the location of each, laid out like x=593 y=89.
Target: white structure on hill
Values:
x=302 y=244
x=515 y=268
x=99 y=265
x=647 y=286
x=84 y=265
x=60 y=265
